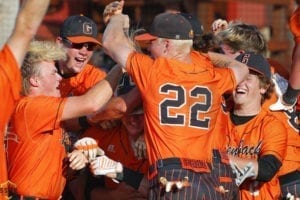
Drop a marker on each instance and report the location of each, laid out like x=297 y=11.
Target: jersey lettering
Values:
x=247 y=150
x=179 y=100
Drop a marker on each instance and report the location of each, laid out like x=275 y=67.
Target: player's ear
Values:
x=166 y=46
x=34 y=82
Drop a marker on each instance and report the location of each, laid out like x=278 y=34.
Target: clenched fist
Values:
x=111 y=9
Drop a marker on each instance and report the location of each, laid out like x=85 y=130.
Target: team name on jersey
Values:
x=246 y=150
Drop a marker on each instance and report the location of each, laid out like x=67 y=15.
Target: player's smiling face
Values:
x=78 y=55
x=48 y=79
x=248 y=92
x=134 y=124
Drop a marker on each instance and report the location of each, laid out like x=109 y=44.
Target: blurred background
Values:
x=270 y=16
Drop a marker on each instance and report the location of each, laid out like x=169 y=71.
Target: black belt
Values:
x=290 y=177
x=14 y=196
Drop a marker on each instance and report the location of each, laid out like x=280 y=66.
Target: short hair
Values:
x=241 y=36
x=39 y=51
x=266 y=83
x=180 y=46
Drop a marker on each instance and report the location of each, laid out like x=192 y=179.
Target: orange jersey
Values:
x=79 y=84
x=35 y=147
x=117 y=146
x=181 y=104
x=262 y=135
x=10 y=83
x=291 y=161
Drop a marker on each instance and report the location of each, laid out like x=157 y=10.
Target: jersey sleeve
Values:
x=275 y=139
x=41 y=114
x=139 y=66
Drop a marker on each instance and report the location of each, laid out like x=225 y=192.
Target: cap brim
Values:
x=137 y=111
x=145 y=37
x=256 y=70
x=83 y=39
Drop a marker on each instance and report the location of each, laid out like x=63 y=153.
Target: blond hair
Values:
x=240 y=36
x=39 y=51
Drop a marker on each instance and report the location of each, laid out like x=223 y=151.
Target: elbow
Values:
x=93 y=106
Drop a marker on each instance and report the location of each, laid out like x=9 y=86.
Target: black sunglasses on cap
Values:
x=88 y=45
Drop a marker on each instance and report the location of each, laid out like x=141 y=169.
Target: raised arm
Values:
x=220 y=60
x=115 y=41
x=95 y=99
x=26 y=26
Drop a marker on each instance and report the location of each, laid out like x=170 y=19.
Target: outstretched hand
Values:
x=103 y=165
x=89 y=147
x=219 y=25
x=111 y=9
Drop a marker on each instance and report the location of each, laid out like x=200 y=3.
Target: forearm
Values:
x=95 y=98
x=220 y=60
x=115 y=42
x=27 y=23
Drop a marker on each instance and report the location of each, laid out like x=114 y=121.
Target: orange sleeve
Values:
x=275 y=139
x=10 y=85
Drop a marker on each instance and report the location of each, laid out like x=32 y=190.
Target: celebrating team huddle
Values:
x=168 y=121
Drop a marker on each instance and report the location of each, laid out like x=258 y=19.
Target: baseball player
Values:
x=289 y=175
x=11 y=55
x=258 y=139
x=118 y=145
x=78 y=35
x=182 y=93
x=36 y=154
x=237 y=37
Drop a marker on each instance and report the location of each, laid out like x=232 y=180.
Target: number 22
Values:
x=180 y=100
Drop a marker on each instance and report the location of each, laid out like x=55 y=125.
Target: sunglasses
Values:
x=88 y=45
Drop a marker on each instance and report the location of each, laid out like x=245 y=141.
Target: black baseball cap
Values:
x=196 y=24
x=256 y=63
x=170 y=26
x=79 y=29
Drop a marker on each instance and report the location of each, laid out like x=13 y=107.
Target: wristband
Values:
x=132 y=178
x=83 y=122
x=291 y=95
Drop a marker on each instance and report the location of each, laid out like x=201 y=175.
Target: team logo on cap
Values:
x=87 y=28
x=245 y=58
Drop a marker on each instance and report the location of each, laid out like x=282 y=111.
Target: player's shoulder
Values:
x=89 y=68
x=272 y=119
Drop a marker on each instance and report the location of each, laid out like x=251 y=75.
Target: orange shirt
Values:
x=262 y=135
x=35 y=150
x=181 y=104
x=292 y=160
x=10 y=83
x=79 y=84
x=117 y=146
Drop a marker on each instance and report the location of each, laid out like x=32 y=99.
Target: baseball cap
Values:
x=196 y=24
x=256 y=62
x=79 y=29
x=170 y=26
